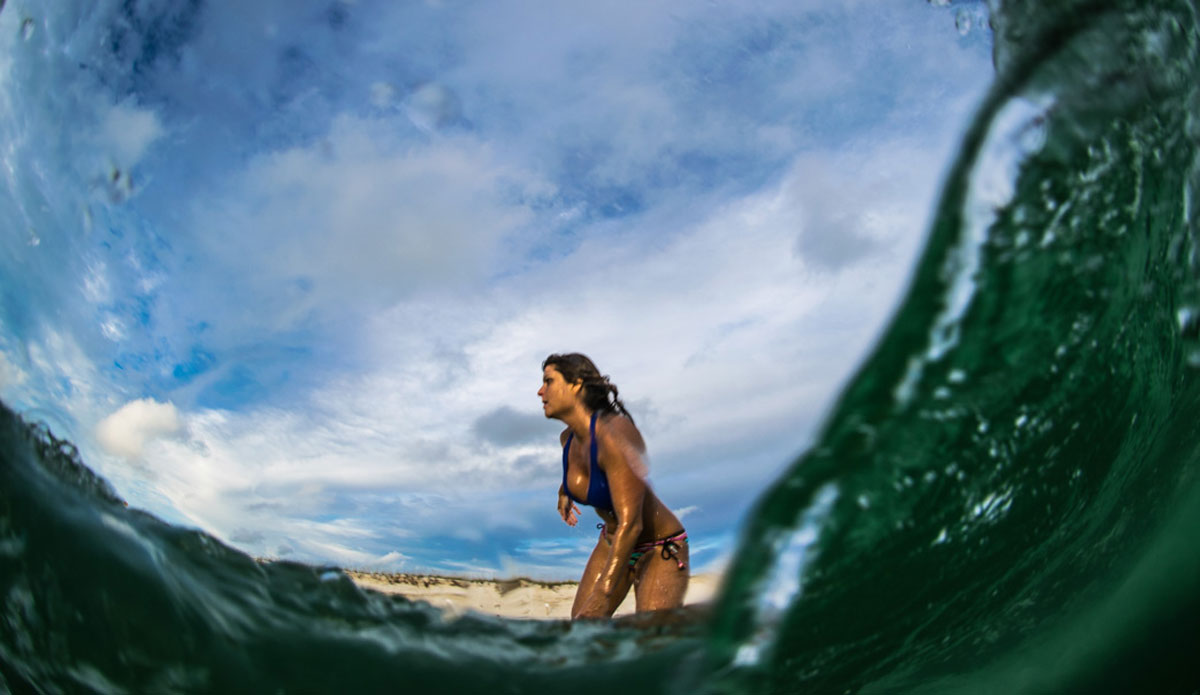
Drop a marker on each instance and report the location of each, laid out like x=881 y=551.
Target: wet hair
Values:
x=598 y=392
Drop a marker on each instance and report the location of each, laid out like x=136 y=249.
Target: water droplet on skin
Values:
x=27 y=28
x=963 y=22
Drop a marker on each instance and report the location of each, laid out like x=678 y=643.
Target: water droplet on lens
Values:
x=433 y=106
x=119 y=185
x=963 y=21
x=1189 y=322
x=939 y=3
x=383 y=95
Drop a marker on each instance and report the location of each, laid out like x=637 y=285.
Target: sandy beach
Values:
x=510 y=598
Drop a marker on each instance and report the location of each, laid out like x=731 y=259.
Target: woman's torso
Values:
x=616 y=430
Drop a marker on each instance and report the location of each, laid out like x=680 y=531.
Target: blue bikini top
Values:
x=597 y=494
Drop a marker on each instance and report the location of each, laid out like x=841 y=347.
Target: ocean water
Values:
x=1005 y=498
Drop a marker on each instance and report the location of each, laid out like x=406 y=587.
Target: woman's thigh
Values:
x=660 y=582
x=591 y=579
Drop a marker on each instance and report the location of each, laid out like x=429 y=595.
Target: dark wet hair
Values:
x=598 y=392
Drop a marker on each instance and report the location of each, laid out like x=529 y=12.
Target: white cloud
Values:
x=64 y=375
x=551 y=552
x=353 y=223
x=126 y=431
x=96 y=287
x=113 y=328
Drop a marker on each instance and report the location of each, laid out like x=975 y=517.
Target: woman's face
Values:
x=558 y=397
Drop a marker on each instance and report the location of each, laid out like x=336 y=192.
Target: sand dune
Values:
x=510 y=598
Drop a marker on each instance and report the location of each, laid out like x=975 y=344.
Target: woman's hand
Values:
x=567 y=509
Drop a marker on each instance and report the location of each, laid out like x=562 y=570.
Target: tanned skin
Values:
x=638 y=516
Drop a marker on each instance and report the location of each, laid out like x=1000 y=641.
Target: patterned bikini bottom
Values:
x=669 y=547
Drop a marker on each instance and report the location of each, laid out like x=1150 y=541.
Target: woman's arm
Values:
x=619 y=459
x=567 y=509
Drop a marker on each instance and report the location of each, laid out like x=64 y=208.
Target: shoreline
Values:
x=518 y=597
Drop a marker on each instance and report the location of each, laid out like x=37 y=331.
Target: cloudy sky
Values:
x=286 y=271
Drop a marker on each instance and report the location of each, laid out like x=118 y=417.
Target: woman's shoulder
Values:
x=618 y=428
x=620 y=440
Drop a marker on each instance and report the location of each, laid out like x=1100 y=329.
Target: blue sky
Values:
x=286 y=271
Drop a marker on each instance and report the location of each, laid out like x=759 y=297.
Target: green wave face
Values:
x=1004 y=499
x=1014 y=467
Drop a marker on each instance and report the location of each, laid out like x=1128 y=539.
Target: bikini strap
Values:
x=566 y=452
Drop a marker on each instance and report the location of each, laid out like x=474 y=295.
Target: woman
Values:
x=641 y=542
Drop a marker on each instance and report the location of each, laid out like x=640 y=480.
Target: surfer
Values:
x=641 y=544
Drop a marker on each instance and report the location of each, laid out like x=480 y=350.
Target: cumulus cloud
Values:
x=368 y=222
x=126 y=432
